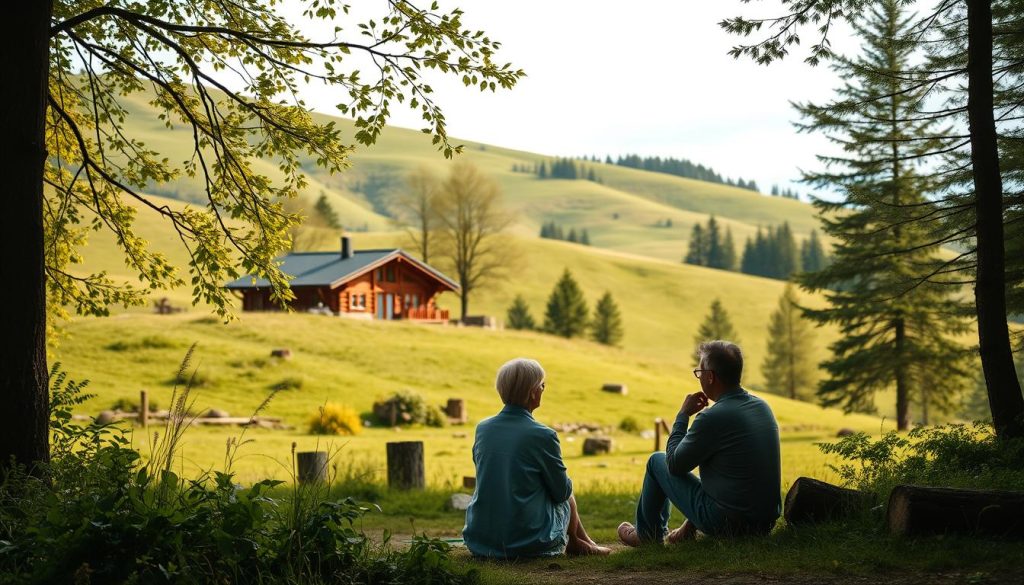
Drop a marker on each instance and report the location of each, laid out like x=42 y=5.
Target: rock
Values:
x=459 y=501
x=615 y=388
x=596 y=445
x=282 y=352
x=106 y=417
x=647 y=434
x=217 y=413
x=845 y=432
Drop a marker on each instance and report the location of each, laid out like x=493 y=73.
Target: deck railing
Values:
x=426 y=314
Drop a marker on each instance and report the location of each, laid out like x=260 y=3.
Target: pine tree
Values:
x=812 y=255
x=728 y=251
x=784 y=253
x=557 y=232
x=544 y=233
x=788 y=368
x=717 y=325
x=898 y=324
x=606 y=326
x=775 y=190
x=542 y=170
x=518 y=316
x=572 y=235
x=326 y=212
x=698 y=252
x=585 y=237
x=715 y=253
x=566 y=313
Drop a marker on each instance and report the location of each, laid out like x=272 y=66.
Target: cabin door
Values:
x=385 y=306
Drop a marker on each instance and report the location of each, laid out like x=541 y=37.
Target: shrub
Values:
x=147 y=342
x=289 y=383
x=435 y=417
x=335 y=419
x=196 y=379
x=629 y=424
x=408 y=408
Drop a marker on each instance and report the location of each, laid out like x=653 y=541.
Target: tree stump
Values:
x=469 y=482
x=143 y=408
x=615 y=388
x=456 y=410
x=312 y=466
x=915 y=510
x=597 y=445
x=811 y=500
x=405 y=465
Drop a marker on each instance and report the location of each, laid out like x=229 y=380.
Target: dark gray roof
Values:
x=330 y=269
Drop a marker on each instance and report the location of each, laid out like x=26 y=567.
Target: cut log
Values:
x=405 y=465
x=456 y=410
x=596 y=445
x=312 y=466
x=811 y=500
x=916 y=510
x=615 y=388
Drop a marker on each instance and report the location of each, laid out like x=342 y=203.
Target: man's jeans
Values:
x=660 y=488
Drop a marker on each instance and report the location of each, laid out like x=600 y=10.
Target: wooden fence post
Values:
x=405 y=465
x=143 y=408
x=312 y=466
x=659 y=425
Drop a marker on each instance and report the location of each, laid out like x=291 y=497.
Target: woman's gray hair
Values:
x=516 y=379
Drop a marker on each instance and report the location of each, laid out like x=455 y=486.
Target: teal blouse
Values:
x=520 y=507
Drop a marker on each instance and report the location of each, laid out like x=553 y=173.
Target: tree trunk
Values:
x=23 y=372
x=463 y=303
x=1004 y=393
x=933 y=510
x=811 y=500
x=902 y=391
x=405 y=465
x=312 y=466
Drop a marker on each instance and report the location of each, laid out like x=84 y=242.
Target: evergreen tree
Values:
x=606 y=327
x=542 y=170
x=788 y=368
x=715 y=253
x=585 y=237
x=518 y=315
x=668 y=222
x=775 y=190
x=812 y=255
x=728 y=251
x=784 y=257
x=747 y=260
x=567 y=310
x=557 y=232
x=572 y=235
x=591 y=176
x=698 y=250
x=898 y=324
x=717 y=325
x=326 y=212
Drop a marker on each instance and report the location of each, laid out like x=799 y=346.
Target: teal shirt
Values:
x=735 y=442
x=520 y=507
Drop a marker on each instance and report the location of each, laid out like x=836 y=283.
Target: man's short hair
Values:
x=724 y=358
x=516 y=379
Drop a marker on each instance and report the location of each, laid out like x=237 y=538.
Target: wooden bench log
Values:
x=918 y=510
x=811 y=500
x=405 y=465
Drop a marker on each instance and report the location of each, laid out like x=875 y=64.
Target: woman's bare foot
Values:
x=685 y=532
x=628 y=535
x=582 y=548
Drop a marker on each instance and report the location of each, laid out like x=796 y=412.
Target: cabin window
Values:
x=380 y=275
x=391 y=274
x=406 y=300
x=358 y=301
x=416 y=300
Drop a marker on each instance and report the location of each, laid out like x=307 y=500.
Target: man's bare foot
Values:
x=628 y=535
x=685 y=532
x=582 y=548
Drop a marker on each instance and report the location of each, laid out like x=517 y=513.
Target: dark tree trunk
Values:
x=1004 y=394
x=23 y=373
x=463 y=303
x=902 y=388
x=405 y=465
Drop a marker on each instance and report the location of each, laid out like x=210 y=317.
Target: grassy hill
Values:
x=353 y=362
x=621 y=213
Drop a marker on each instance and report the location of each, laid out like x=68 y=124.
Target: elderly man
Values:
x=735 y=443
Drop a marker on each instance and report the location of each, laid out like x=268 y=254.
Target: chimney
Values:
x=346 y=247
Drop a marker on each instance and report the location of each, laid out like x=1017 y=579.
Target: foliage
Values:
x=566 y=313
x=955 y=455
x=899 y=317
x=708 y=247
x=606 y=326
x=629 y=424
x=679 y=168
x=335 y=419
x=553 y=231
x=788 y=367
x=414 y=206
x=471 y=225
x=717 y=325
x=310 y=232
x=326 y=212
x=289 y=383
x=812 y=254
x=518 y=315
x=772 y=253
x=408 y=408
x=100 y=516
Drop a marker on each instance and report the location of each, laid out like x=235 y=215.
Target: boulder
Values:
x=597 y=445
x=845 y=432
x=106 y=417
x=459 y=501
x=217 y=413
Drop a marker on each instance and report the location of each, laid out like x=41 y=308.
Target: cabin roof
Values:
x=330 y=269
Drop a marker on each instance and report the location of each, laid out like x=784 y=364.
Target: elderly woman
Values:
x=523 y=505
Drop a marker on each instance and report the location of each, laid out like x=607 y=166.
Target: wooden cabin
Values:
x=370 y=284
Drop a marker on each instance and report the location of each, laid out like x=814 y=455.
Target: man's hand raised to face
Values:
x=694 y=403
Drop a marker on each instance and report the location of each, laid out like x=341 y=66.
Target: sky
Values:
x=650 y=77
